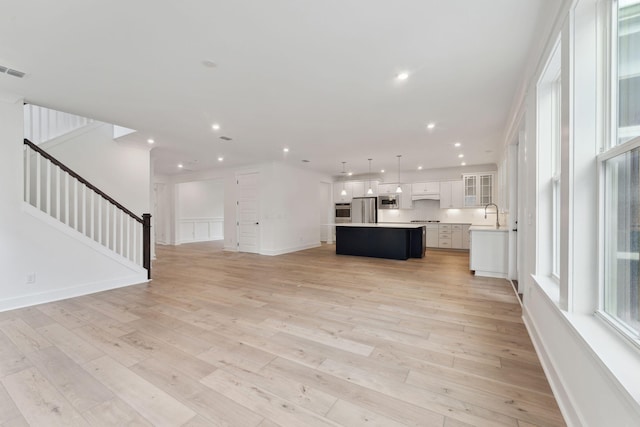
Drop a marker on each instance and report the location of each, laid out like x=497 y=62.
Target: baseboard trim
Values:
x=289 y=250
x=71 y=292
x=571 y=417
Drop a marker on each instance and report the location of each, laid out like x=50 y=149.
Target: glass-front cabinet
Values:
x=478 y=189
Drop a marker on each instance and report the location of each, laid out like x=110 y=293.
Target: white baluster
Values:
x=67 y=208
x=92 y=214
x=100 y=203
x=47 y=188
x=27 y=181
x=75 y=204
x=58 y=214
x=115 y=229
x=128 y=245
x=107 y=223
x=135 y=242
x=84 y=209
x=38 y=175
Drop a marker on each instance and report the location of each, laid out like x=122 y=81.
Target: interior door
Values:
x=248 y=212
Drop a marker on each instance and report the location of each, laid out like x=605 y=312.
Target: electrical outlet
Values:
x=31 y=278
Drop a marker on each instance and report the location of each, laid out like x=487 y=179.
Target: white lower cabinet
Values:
x=432 y=235
x=444 y=235
x=456 y=236
x=449 y=236
x=451 y=194
x=466 y=237
x=488 y=255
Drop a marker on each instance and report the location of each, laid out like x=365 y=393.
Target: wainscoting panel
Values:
x=200 y=229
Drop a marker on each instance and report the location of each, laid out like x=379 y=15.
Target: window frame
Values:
x=610 y=149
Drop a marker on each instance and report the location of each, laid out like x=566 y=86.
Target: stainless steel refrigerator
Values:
x=364 y=210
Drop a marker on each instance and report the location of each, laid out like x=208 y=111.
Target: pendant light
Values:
x=370 y=191
x=344 y=190
x=399 y=189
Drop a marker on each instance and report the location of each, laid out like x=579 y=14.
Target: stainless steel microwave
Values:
x=389 y=201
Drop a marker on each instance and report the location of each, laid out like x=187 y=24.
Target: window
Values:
x=556 y=139
x=628 y=70
x=620 y=179
x=549 y=142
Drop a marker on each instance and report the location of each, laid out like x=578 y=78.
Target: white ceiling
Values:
x=315 y=76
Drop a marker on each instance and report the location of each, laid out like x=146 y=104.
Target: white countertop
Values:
x=488 y=228
x=381 y=225
x=428 y=223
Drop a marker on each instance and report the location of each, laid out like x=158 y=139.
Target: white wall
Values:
x=592 y=370
x=200 y=209
x=64 y=266
x=121 y=170
x=289 y=199
x=289 y=205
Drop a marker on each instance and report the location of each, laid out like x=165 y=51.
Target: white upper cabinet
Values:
x=387 y=188
x=432 y=187
x=451 y=194
x=374 y=189
x=353 y=189
x=405 y=198
x=357 y=188
x=337 y=190
x=478 y=189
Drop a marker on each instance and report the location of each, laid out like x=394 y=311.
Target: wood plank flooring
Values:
x=303 y=339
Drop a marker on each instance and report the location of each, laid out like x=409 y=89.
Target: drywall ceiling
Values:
x=317 y=77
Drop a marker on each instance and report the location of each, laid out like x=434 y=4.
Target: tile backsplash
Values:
x=430 y=210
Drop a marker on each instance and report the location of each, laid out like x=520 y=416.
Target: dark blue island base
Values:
x=381 y=242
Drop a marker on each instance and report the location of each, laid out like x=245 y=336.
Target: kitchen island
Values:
x=392 y=241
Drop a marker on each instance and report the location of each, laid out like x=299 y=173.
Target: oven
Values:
x=343 y=213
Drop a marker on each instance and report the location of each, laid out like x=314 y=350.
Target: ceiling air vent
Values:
x=305 y=161
x=14 y=73
x=225 y=138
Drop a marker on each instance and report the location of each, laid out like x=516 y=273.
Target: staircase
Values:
x=59 y=192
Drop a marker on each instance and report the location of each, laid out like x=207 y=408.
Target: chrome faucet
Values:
x=497 y=213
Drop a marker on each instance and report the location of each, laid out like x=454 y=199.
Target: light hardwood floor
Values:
x=309 y=338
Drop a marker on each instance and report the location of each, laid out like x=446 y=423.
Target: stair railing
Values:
x=44 y=124
x=58 y=191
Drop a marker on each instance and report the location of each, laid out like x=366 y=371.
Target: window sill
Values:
x=618 y=358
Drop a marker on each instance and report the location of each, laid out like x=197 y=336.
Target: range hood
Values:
x=426 y=196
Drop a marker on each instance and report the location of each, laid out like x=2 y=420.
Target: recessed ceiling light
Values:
x=463 y=164
x=209 y=63
x=457 y=144
x=431 y=125
x=350 y=173
x=285 y=149
x=150 y=141
x=220 y=158
x=381 y=170
x=215 y=126
x=419 y=168
x=460 y=156
x=180 y=165
x=402 y=76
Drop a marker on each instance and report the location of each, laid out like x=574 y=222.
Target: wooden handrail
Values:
x=81 y=179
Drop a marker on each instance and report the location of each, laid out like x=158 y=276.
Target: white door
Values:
x=248 y=212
